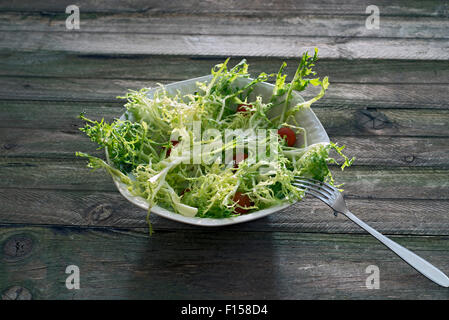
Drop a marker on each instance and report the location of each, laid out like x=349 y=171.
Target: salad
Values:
x=218 y=152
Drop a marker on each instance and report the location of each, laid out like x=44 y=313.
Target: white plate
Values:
x=305 y=117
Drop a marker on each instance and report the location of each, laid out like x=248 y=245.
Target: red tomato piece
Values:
x=174 y=143
x=288 y=134
x=239 y=158
x=243 y=201
x=244 y=107
x=184 y=191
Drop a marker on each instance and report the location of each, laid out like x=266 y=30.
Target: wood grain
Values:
x=55 y=115
x=360 y=181
x=72 y=89
x=110 y=209
x=358 y=121
x=173 y=68
x=117 y=264
x=369 y=151
x=414 y=8
x=229 y=45
x=431 y=96
x=255 y=24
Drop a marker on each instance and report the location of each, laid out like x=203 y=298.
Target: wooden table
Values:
x=388 y=102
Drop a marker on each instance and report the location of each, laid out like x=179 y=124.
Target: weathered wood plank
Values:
x=110 y=209
x=432 y=96
x=383 y=122
x=360 y=181
x=273 y=24
x=55 y=115
x=391 y=95
x=433 y=8
x=172 y=68
x=117 y=264
x=68 y=89
x=336 y=120
x=371 y=151
x=375 y=182
x=394 y=151
x=229 y=45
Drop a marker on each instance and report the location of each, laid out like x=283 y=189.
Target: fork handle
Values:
x=412 y=259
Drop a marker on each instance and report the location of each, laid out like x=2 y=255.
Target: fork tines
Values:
x=316 y=188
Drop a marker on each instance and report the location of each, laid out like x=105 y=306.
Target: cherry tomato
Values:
x=244 y=107
x=174 y=143
x=239 y=158
x=183 y=192
x=288 y=134
x=243 y=201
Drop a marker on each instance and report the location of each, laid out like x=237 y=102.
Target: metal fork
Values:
x=334 y=199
